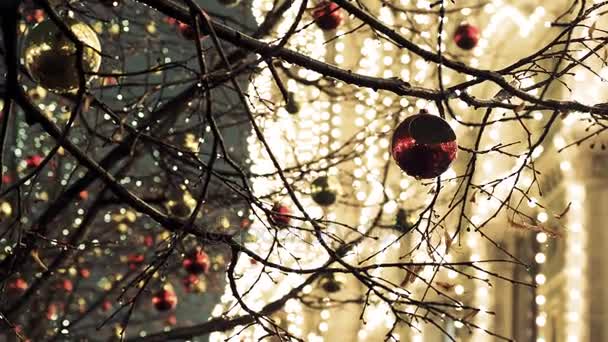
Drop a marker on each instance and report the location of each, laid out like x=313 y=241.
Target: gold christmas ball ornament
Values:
x=50 y=56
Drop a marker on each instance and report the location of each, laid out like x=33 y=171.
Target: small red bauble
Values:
x=83 y=195
x=466 y=36
x=106 y=305
x=149 y=241
x=186 y=30
x=33 y=161
x=327 y=15
x=164 y=300
x=134 y=260
x=35 y=16
x=85 y=273
x=424 y=145
x=18 y=285
x=170 y=20
x=197 y=262
x=280 y=215
x=66 y=285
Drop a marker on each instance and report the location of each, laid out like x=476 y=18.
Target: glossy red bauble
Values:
x=35 y=16
x=466 y=36
x=280 y=215
x=17 y=285
x=33 y=161
x=106 y=305
x=148 y=240
x=65 y=285
x=424 y=145
x=164 y=300
x=134 y=260
x=85 y=273
x=186 y=30
x=327 y=15
x=197 y=262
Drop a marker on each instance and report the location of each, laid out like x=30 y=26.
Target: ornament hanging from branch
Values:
x=330 y=283
x=327 y=15
x=466 y=36
x=197 y=262
x=51 y=58
x=324 y=191
x=164 y=300
x=280 y=215
x=424 y=145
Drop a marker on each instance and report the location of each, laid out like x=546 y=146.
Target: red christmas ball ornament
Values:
x=51 y=311
x=186 y=30
x=327 y=15
x=148 y=240
x=65 y=285
x=466 y=36
x=109 y=81
x=134 y=260
x=280 y=215
x=84 y=195
x=164 y=300
x=106 y=305
x=170 y=20
x=85 y=273
x=35 y=16
x=197 y=262
x=18 y=285
x=424 y=145
x=33 y=161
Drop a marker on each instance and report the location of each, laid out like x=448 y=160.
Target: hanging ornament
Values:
x=280 y=215
x=466 y=36
x=50 y=56
x=330 y=284
x=34 y=16
x=291 y=105
x=324 y=191
x=403 y=221
x=197 y=262
x=327 y=15
x=148 y=240
x=17 y=285
x=84 y=195
x=33 y=161
x=135 y=260
x=164 y=300
x=229 y=3
x=186 y=30
x=65 y=285
x=106 y=305
x=85 y=273
x=424 y=145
